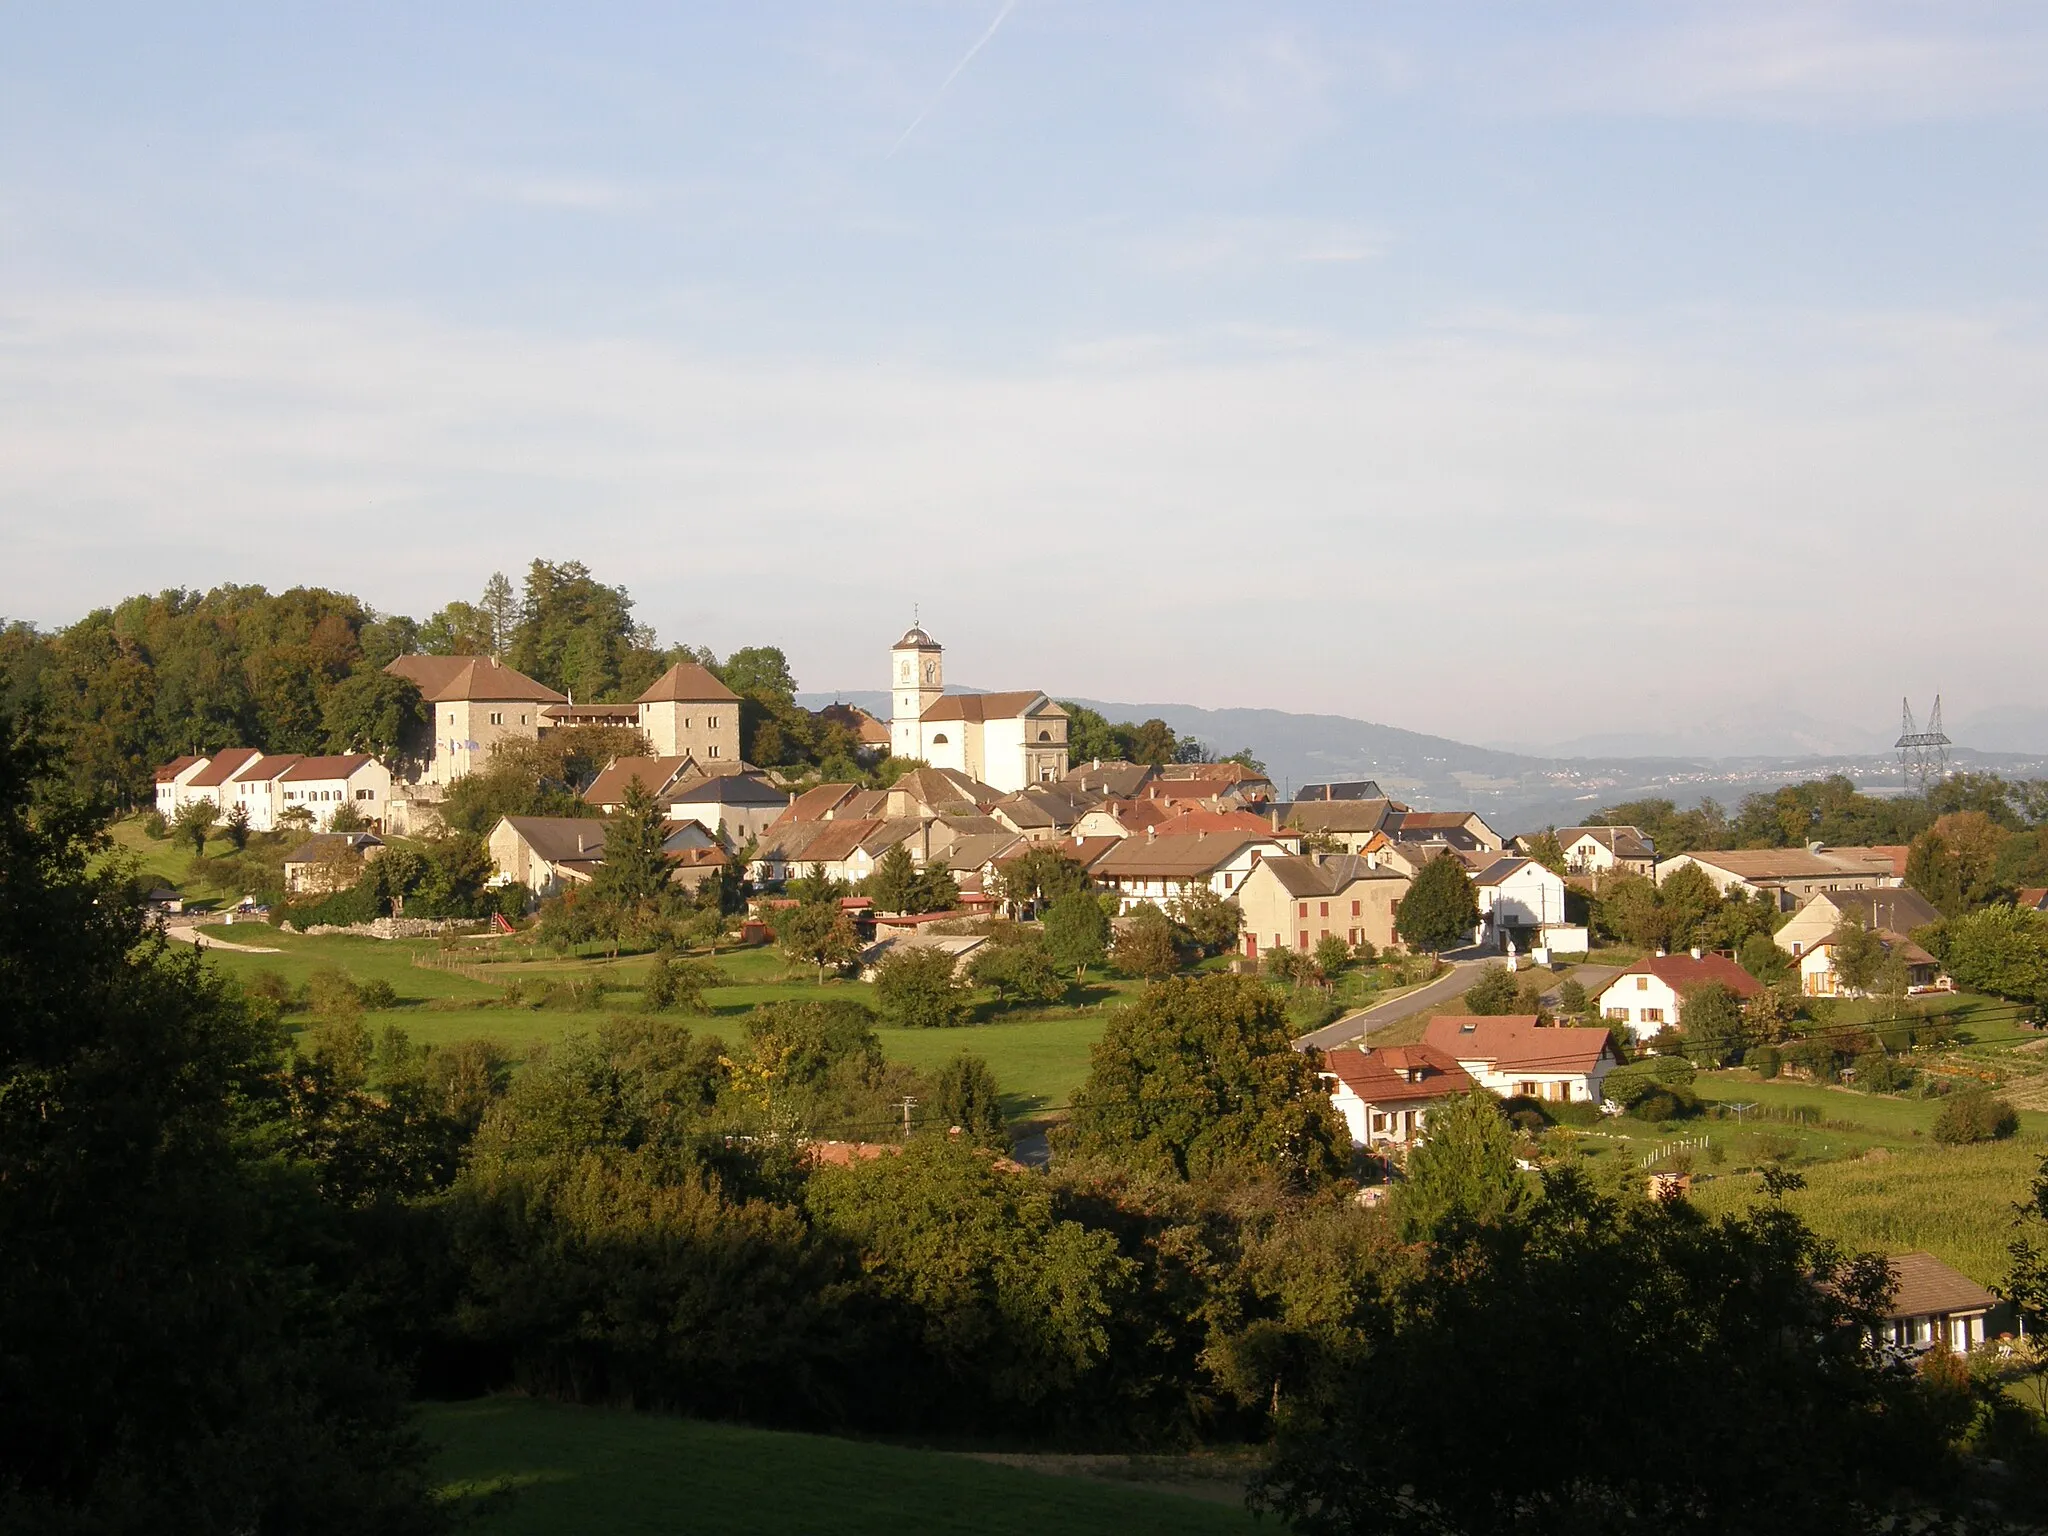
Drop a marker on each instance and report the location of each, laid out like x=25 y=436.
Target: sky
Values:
x=1519 y=373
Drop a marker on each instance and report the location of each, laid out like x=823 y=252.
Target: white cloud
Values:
x=1462 y=531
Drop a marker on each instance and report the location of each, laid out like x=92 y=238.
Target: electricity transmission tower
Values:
x=1923 y=755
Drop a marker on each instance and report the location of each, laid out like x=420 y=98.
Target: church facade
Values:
x=1006 y=740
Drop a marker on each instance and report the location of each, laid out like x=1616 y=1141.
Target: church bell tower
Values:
x=917 y=677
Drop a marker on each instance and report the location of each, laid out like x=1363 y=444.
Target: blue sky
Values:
x=1409 y=361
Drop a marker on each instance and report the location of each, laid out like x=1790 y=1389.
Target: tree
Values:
x=915 y=988
x=964 y=1094
x=817 y=933
x=1754 y=1332
x=1572 y=1001
x=759 y=671
x=1627 y=909
x=1464 y=1169
x=1546 y=850
x=1198 y=1079
x=1145 y=945
x=1857 y=954
x=1208 y=917
x=345 y=818
x=1076 y=931
x=500 y=608
x=1763 y=959
x=2001 y=950
x=1716 y=1028
x=893 y=884
x=460 y=629
x=1975 y=1116
x=194 y=820
x=177 y=1354
x=1689 y=904
x=1332 y=954
x=1440 y=909
x=673 y=984
x=1153 y=742
x=1954 y=863
x=1023 y=971
x=372 y=711
x=1037 y=877
x=1493 y=992
x=635 y=870
x=237 y=826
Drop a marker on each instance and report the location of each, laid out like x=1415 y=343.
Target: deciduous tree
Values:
x=1440 y=909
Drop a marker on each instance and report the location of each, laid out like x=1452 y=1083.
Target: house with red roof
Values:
x=1518 y=1055
x=1651 y=993
x=1385 y=1094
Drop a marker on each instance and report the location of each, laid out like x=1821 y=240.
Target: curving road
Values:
x=185 y=933
x=1360 y=1024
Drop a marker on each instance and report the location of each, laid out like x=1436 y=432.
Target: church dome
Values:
x=914 y=638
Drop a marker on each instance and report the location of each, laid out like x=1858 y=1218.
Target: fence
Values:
x=1689 y=1144
x=432 y=960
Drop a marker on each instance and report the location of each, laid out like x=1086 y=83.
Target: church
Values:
x=1006 y=740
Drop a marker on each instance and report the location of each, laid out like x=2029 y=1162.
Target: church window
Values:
x=1045 y=735
x=939 y=740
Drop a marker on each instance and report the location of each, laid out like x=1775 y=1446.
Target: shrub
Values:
x=1666 y=1103
x=377 y=993
x=1975 y=1116
x=1764 y=1060
x=154 y=826
x=916 y=989
x=1877 y=1072
x=1578 y=1112
x=1625 y=1085
x=1365 y=953
x=1526 y=1114
x=271 y=987
x=1571 y=999
x=1493 y=992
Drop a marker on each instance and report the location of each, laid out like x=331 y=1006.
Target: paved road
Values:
x=1358 y=1025
x=184 y=933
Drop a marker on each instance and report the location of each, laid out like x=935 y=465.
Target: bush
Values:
x=1625 y=1085
x=1577 y=1112
x=1572 y=1000
x=1764 y=1060
x=1975 y=1116
x=1526 y=1114
x=916 y=989
x=514 y=901
x=154 y=826
x=1665 y=1103
x=1493 y=993
x=377 y=993
x=272 y=987
x=1877 y=1072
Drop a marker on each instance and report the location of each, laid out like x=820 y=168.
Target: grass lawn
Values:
x=1953 y=1202
x=551 y=1470
x=1038 y=1063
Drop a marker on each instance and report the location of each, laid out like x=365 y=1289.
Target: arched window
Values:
x=1045 y=735
x=939 y=740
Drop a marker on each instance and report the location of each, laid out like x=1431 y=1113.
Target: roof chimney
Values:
x=1151 y=832
x=1696 y=954
x=1660 y=952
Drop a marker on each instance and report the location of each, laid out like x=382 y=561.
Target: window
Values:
x=1045 y=735
x=1354 y=909
x=1302 y=910
x=1379 y=1120
x=497 y=717
x=1642 y=983
x=1526 y=1090
x=1226 y=882
x=451 y=717
x=1301 y=941
x=939 y=740
x=714 y=751
x=1653 y=1016
x=1325 y=912
x=1618 y=1015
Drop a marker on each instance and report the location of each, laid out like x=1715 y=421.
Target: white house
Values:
x=1158 y=870
x=171 y=780
x=254 y=788
x=1934 y=1306
x=1518 y=897
x=1385 y=1095
x=1006 y=740
x=1819 y=978
x=1651 y=993
x=1792 y=875
x=1514 y=1054
x=738 y=807
x=1600 y=850
x=207 y=781
x=1899 y=909
x=323 y=785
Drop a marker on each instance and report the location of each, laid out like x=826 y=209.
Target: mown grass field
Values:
x=543 y=1469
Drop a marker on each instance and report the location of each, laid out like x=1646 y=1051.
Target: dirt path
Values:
x=184 y=933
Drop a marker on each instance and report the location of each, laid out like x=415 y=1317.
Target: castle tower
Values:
x=917 y=678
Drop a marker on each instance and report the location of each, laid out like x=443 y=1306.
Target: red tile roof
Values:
x=441 y=678
x=341 y=767
x=1682 y=971
x=654 y=774
x=1398 y=1074
x=1517 y=1043
x=687 y=683
x=222 y=765
x=174 y=767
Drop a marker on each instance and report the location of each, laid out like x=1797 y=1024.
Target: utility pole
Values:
x=908 y=1104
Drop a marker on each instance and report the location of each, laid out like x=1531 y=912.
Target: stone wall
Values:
x=397 y=927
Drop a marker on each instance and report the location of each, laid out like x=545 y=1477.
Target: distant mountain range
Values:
x=1519 y=790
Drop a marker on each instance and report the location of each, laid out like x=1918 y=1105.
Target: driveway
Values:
x=1361 y=1024
x=185 y=933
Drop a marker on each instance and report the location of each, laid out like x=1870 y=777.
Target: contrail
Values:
x=979 y=43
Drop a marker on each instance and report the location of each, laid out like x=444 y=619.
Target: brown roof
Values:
x=1396 y=1074
x=342 y=766
x=564 y=839
x=174 y=767
x=787 y=841
x=990 y=706
x=311 y=850
x=1797 y=863
x=1145 y=858
x=1516 y=1042
x=441 y=678
x=221 y=766
x=1185 y=821
x=687 y=683
x=1090 y=851
x=266 y=768
x=840 y=838
x=1898 y=908
x=1218 y=773
x=593 y=714
x=1682 y=971
x=1622 y=842
x=1304 y=875
x=654 y=774
x=1928 y=1286
x=866 y=728
x=2034 y=897
x=813 y=804
x=938 y=788
x=1097 y=779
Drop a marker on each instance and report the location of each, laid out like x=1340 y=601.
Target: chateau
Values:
x=1004 y=740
